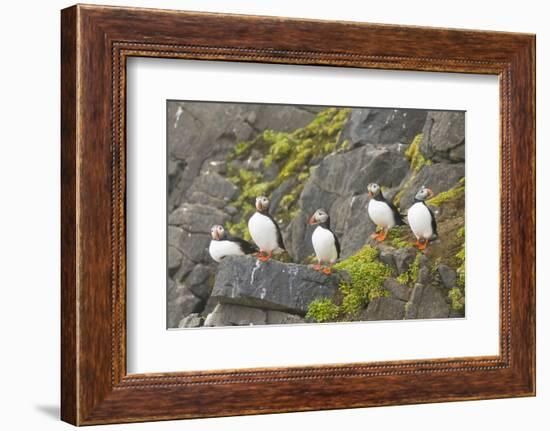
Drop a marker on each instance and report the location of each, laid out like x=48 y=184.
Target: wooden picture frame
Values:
x=96 y=41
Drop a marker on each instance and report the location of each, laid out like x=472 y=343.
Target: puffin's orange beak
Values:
x=312 y=220
x=370 y=194
x=258 y=205
x=430 y=193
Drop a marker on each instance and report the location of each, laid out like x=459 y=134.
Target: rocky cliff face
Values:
x=222 y=155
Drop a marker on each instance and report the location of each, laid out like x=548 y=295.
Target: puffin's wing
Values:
x=434 y=223
x=337 y=245
x=279 y=235
x=245 y=246
x=396 y=214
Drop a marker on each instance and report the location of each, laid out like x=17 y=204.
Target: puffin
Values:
x=383 y=213
x=422 y=219
x=324 y=240
x=265 y=231
x=222 y=244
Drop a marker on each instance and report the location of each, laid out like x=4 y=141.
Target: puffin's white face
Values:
x=262 y=203
x=217 y=232
x=320 y=216
x=373 y=189
x=423 y=194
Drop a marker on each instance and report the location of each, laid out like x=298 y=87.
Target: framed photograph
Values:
x=260 y=205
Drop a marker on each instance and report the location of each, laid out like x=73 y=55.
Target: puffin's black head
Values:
x=217 y=232
x=373 y=189
x=423 y=194
x=262 y=204
x=320 y=216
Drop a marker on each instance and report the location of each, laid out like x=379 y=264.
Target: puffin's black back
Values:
x=399 y=221
x=279 y=235
x=434 y=223
x=245 y=246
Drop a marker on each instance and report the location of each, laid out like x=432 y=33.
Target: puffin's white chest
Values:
x=263 y=231
x=219 y=249
x=420 y=221
x=381 y=214
x=324 y=245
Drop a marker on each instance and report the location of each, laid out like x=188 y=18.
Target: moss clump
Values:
x=448 y=195
x=415 y=156
x=456 y=295
x=411 y=274
x=398 y=237
x=294 y=152
x=367 y=275
x=366 y=278
x=461 y=270
x=323 y=310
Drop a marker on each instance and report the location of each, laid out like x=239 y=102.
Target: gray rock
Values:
x=196 y=218
x=439 y=177
x=213 y=184
x=235 y=315
x=180 y=303
x=284 y=118
x=199 y=281
x=424 y=270
x=275 y=317
x=385 y=308
x=279 y=193
x=195 y=247
x=403 y=258
x=386 y=256
x=231 y=210
x=184 y=269
x=175 y=235
x=427 y=302
x=201 y=132
x=174 y=259
x=272 y=285
x=383 y=126
x=194 y=320
x=358 y=226
x=443 y=136
x=448 y=276
x=217 y=166
x=457 y=314
x=349 y=173
x=204 y=199
x=397 y=290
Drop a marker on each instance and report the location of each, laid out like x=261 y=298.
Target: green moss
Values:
x=415 y=156
x=323 y=310
x=367 y=275
x=456 y=295
x=411 y=274
x=294 y=152
x=397 y=237
x=448 y=195
x=461 y=270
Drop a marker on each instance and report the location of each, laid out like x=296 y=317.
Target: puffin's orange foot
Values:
x=421 y=245
x=265 y=257
x=382 y=236
x=327 y=270
x=378 y=236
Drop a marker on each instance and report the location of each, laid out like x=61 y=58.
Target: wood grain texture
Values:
x=96 y=41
